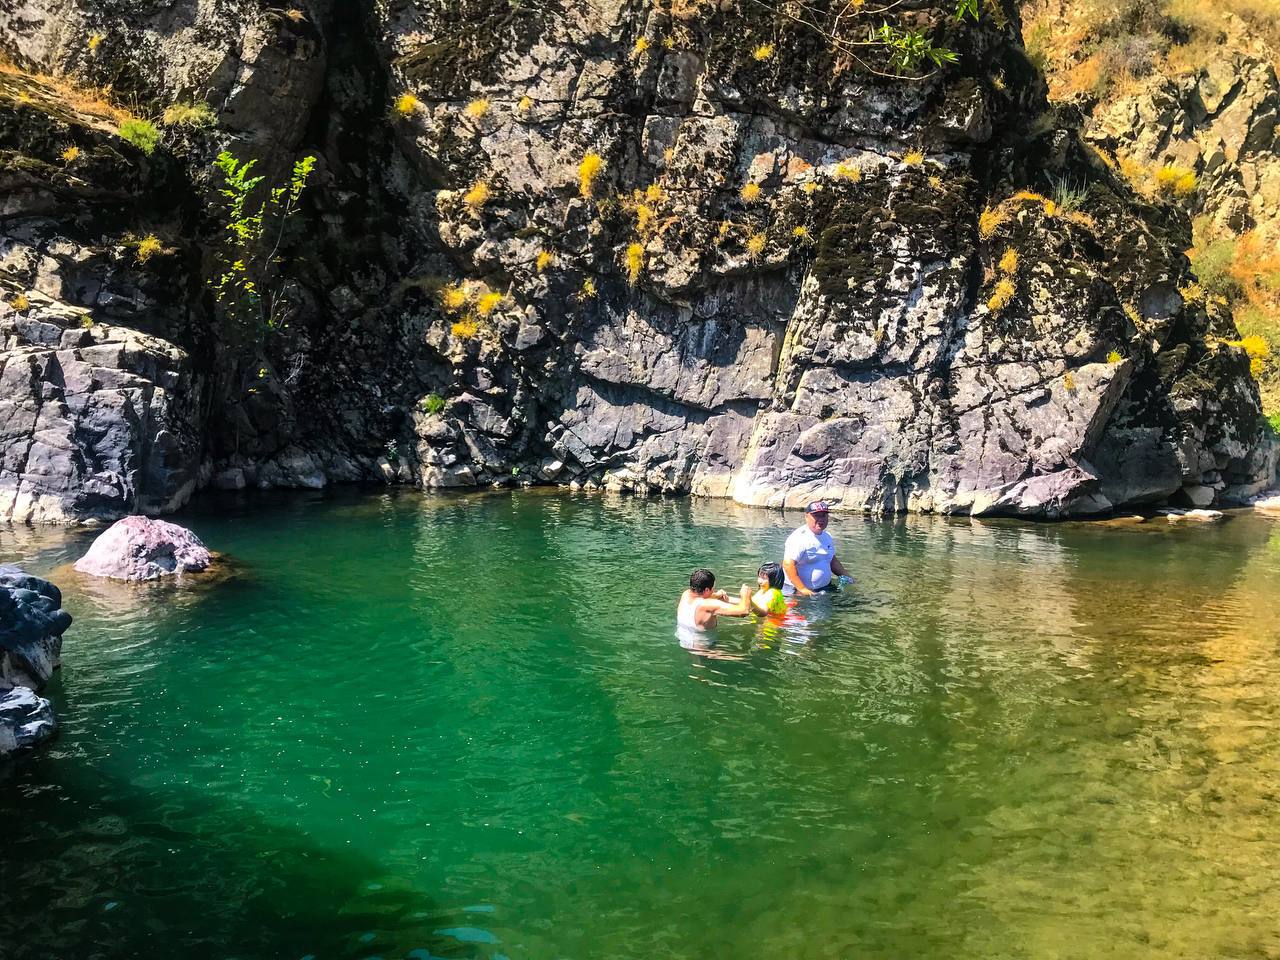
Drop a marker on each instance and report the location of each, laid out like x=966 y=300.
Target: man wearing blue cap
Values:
x=809 y=558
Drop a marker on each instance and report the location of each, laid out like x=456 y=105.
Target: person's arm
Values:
x=793 y=575
x=739 y=609
x=838 y=568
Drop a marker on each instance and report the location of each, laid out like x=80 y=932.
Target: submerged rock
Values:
x=1194 y=516
x=31 y=627
x=1270 y=505
x=141 y=548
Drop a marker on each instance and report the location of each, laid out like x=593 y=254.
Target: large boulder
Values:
x=32 y=622
x=140 y=548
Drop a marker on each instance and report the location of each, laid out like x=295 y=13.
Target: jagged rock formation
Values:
x=1219 y=122
x=848 y=326
x=31 y=627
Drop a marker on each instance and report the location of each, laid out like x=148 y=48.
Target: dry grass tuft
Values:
x=989 y=221
x=588 y=170
x=80 y=98
x=148 y=247
x=489 y=303
x=848 y=170
x=635 y=262
x=1002 y=295
x=477 y=196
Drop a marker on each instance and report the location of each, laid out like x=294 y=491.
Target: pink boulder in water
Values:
x=139 y=548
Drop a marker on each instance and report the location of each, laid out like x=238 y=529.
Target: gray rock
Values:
x=1193 y=516
x=82 y=440
x=32 y=622
x=26 y=720
x=31 y=627
x=140 y=548
x=1269 y=505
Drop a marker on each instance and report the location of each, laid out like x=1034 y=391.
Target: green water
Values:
x=412 y=726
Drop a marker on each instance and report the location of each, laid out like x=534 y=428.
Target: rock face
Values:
x=95 y=420
x=140 y=548
x=31 y=627
x=610 y=245
x=1219 y=122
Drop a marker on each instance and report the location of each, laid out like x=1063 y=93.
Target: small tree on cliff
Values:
x=246 y=283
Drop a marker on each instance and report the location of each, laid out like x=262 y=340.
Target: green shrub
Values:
x=142 y=134
x=1211 y=261
x=432 y=403
x=1067 y=194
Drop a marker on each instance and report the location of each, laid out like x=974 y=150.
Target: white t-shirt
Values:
x=812 y=553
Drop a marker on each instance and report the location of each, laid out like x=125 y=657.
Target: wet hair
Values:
x=773 y=573
x=701 y=580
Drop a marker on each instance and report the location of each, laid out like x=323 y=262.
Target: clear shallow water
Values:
x=417 y=726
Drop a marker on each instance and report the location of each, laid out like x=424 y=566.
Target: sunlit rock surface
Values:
x=142 y=548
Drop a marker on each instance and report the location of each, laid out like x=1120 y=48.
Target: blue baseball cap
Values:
x=817 y=506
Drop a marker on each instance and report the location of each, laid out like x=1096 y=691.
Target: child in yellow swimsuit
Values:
x=769 y=599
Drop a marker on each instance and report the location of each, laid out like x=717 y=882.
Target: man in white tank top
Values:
x=702 y=605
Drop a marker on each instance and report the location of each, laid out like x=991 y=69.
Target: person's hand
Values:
x=745 y=592
x=722 y=595
x=805 y=592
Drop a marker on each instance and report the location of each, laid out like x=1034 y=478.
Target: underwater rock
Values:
x=1195 y=516
x=31 y=627
x=141 y=548
x=1269 y=505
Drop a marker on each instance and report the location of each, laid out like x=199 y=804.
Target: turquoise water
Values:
x=412 y=726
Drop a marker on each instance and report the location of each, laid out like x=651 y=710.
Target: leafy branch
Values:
x=906 y=49
x=249 y=254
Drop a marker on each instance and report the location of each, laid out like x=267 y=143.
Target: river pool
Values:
x=461 y=726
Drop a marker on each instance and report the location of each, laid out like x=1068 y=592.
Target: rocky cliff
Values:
x=682 y=246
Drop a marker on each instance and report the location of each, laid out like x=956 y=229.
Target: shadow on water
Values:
x=118 y=871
